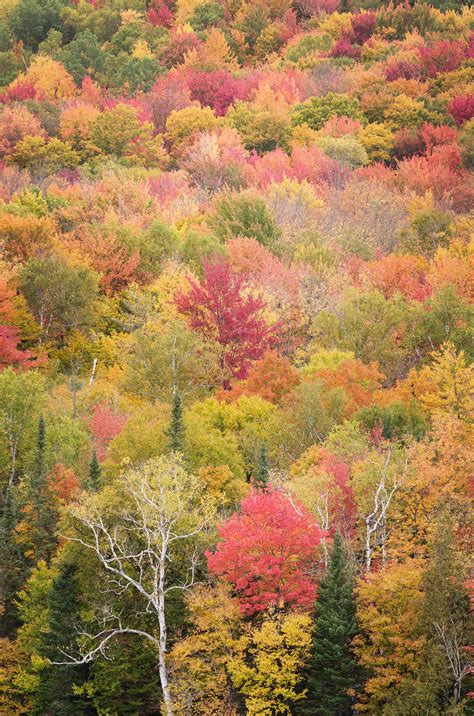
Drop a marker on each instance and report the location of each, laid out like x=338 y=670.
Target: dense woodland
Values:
x=236 y=341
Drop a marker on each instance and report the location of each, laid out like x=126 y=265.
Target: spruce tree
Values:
x=42 y=511
x=333 y=669
x=12 y=564
x=262 y=469
x=55 y=694
x=175 y=430
x=93 y=482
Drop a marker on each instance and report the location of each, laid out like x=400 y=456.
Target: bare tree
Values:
x=165 y=511
x=452 y=640
x=388 y=483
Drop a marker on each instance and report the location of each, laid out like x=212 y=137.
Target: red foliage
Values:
x=442 y=173
x=169 y=93
x=217 y=89
x=221 y=307
x=10 y=354
x=115 y=264
x=432 y=136
x=168 y=186
x=19 y=92
x=344 y=48
x=403 y=69
x=407 y=143
x=91 y=93
x=443 y=56
x=179 y=44
x=363 y=26
x=266 y=553
x=159 y=14
x=105 y=425
x=461 y=108
x=272 y=378
x=63 y=483
x=403 y=274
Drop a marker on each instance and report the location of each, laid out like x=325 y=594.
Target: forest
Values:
x=236 y=357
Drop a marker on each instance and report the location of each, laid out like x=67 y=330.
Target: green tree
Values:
x=261 y=473
x=333 y=669
x=12 y=565
x=317 y=110
x=175 y=430
x=244 y=215
x=31 y=20
x=83 y=56
x=93 y=482
x=56 y=693
x=40 y=509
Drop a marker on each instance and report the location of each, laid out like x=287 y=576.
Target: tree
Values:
x=40 y=512
x=200 y=661
x=244 y=215
x=317 y=110
x=446 y=612
x=266 y=551
x=175 y=430
x=260 y=479
x=22 y=396
x=94 y=473
x=11 y=562
x=61 y=294
x=136 y=542
x=221 y=308
x=59 y=685
x=333 y=670
x=269 y=667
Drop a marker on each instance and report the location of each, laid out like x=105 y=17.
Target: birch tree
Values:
x=162 y=516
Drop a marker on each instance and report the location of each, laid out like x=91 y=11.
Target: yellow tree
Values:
x=269 y=666
x=199 y=662
x=390 y=638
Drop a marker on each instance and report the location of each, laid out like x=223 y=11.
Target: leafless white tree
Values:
x=165 y=510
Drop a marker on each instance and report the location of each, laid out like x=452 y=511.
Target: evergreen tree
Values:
x=56 y=694
x=12 y=565
x=333 y=669
x=175 y=430
x=41 y=510
x=262 y=469
x=94 y=474
x=446 y=616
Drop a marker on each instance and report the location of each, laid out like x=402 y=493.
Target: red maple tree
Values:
x=223 y=308
x=267 y=552
x=105 y=425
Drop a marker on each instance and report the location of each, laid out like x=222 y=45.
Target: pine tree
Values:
x=93 y=483
x=175 y=430
x=42 y=511
x=56 y=694
x=12 y=565
x=333 y=669
x=262 y=469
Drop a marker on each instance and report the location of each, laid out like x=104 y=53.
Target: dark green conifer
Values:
x=262 y=469
x=56 y=693
x=175 y=430
x=94 y=474
x=333 y=670
x=12 y=564
x=43 y=515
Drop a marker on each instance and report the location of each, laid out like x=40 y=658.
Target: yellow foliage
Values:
x=141 y=49
x=213 y=54
x=199 y=662
x=452 y=381
x=390 y=639
x=50 y=79
x=269 y=667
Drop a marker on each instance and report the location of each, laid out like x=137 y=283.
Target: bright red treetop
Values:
x=267 y=552
x=222 y=308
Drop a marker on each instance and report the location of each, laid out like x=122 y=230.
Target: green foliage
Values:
x=317 y=110
x=175 y=431
x=244 y=215
x=333 y=671
x=31 y=20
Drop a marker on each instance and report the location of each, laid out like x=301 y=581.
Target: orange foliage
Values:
x=63 y=483
x=22 y=237
x=272 y=378
x=358 y=380
x=403 y=274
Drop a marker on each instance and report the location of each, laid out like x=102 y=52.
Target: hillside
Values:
x=236 y=343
